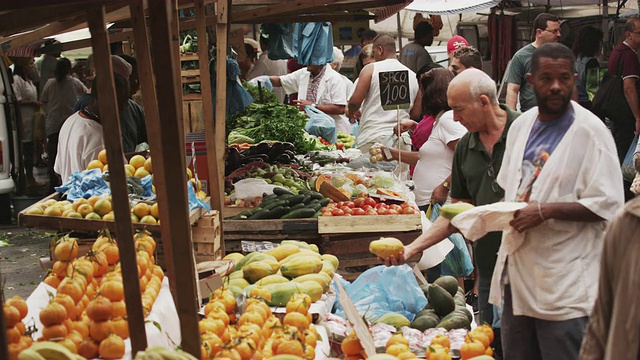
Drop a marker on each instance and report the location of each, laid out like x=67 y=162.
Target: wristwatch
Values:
x=445 y=185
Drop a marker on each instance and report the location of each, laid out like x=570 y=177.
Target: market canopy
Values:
x=450 y=7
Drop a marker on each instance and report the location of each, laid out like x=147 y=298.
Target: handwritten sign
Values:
x=394 y=89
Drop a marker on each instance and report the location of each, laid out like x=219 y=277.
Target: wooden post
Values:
x=223 y=9
x=113 y=143
x=170 y=174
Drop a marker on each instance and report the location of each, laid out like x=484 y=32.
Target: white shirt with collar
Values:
x=553 y=268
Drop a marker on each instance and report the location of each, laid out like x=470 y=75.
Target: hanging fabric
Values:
x=313 y=43
x=237 y=97
x=502 y=41
x=280 y=40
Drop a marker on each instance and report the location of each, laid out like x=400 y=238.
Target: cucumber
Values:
x=262 y=214
x=285 y=197
x=281 y=191
x=240 y=215
x=269 y=197
x=276 y=212
x=316 y=195
x=315 y=207
x=324 y=202
x=307 y=199
x=299 y=214
x=297 y=206
x=296 y=199
x=317 y=214
x=275 y=204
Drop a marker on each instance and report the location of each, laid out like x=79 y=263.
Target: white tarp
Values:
x=450 y=7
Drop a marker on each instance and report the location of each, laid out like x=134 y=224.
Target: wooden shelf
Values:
x=190 y=73
x=368 y=223
x=191 y=97
x=188 y=56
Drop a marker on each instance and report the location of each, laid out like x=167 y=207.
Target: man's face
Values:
x=553 y=85
x=465 y=110
x=633 y=38
x=314 y=69
x=428 y=40
x=551 y=33
x=456 y=66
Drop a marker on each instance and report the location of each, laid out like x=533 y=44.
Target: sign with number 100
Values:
x=394 y=89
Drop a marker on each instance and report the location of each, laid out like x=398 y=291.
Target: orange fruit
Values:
x=251 y=317
x=297 y=320
x=141 y=210
x=396 y=349
x=397 y=338
x=95 y=164
x=137 y=161
x=102 y=156
x=148 y=166
x=100 y=330
x=112 y=347
x=479 y=336
x=441 y=340
x=351 y=346
x=471 y=349
x=291 y=347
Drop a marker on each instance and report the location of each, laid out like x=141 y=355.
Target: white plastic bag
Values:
x=249 y=189
x=436 y=253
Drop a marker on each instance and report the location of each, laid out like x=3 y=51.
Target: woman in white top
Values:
x=27 y=95
x=432 y=174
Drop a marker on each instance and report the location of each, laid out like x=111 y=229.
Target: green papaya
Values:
x=393 y=319
x=281 y=293
x=454 y=320
x=449 y=211
x=441 y=300
x=423 y=323
x=448 y=283
x=463 y=310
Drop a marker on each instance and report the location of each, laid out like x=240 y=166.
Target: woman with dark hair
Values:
x=27 y=95
x=59 y=97
x=585 y=48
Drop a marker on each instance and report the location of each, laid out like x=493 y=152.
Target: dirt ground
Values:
x=19 y=266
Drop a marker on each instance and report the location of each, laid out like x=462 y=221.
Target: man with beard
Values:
x=560 y=160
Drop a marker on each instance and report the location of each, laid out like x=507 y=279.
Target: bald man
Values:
x=476 y=163
x=376 y=124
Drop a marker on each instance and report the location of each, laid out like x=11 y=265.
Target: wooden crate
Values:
x=269 y=230
x=368 y=223
x=206 y=237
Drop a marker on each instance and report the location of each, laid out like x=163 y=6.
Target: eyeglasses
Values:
x=555 y=32
x=495 y=187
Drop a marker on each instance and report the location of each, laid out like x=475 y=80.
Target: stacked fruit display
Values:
x=283 y=204
x=345 y=141
x=87 y=315
x=15 y=310
x=257 y=333
x=366 y=206
x=446 y=308
x=292 y=267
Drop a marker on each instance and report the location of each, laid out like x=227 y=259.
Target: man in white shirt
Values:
x=80 y=138
x=561 y=160
x=338 y=57
x=266 y=66
x=318 y=86
x=376 y=124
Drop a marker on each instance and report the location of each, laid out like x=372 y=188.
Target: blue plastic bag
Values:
x=321 y=124
x=458 y=261
x=313 y=43
x=280 y=40
x=628 y=168
x=385 y=289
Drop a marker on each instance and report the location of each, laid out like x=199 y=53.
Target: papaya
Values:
x=450 y=211
x=282 y=251
x=327 y=268
x=275 y=265
x=300 y=244
x=281 y=293
x=425 y=289
x=241 y=283
x=459 y=299
x=463 y=310
x=448 y=283
x=299 y=254
x=313 y=289
x=334 y=260
x=393 y=319
x=256 y=271
x=454 y=320
x=441 y=300
x=428 y=312
x=321 y=280
x=272 y=279
x=233 y=256
x=236 y=290
x=385 y=247
x=236 y=275
x=314 y=248
x=328 y=278
x=423 y=323
x=248 y=289
x=251 y=257
x=301 y=265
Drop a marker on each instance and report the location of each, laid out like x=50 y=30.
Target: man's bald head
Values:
x=477 y=82
x=384 y=47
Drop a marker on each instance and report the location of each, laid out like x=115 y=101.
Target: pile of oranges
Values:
x=15 y=310
x=88 y=314
x=477 y=343
x=257 y=333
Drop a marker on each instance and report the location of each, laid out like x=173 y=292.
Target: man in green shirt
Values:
x=476 y=164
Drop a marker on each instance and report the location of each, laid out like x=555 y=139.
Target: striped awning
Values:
x=388 y=11
x=450 y=7
x=22 y=51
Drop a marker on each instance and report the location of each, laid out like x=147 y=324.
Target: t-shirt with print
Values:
x=517 y=74
x=543 y=140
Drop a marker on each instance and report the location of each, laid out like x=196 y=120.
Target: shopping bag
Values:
x=435 y=254
x=458 y=261
x=39 y=118
x=609 y=103
x=628 y=168
x=321 y=124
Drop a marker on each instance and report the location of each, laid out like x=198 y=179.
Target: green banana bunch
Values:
x=48 y=350
x=161 y=353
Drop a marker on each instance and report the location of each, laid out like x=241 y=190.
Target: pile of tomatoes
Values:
x=366 y=206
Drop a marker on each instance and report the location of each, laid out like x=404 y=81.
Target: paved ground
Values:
x=19 y=265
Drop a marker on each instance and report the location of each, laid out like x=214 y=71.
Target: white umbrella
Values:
x=450 y=7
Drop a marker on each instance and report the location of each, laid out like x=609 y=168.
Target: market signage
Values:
x=394 y=89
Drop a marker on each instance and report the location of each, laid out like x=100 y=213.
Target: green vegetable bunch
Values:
x=254 y=91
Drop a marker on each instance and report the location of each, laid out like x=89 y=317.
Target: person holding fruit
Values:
x=562 y=162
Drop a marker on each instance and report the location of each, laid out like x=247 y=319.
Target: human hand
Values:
x=527 y=217
x=403 y=257
x=405 y=125
x=439 y=195
x=300 y=104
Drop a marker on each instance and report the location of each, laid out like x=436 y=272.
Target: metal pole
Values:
x=400 y=30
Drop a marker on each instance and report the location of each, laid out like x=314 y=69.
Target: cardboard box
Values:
x=210 y=275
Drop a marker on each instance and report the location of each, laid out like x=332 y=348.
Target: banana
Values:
x=186 y=355
x=140 y=355
x=53 y=351
x=159 y=352
x=30 y=354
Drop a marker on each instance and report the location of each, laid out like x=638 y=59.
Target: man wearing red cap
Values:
x=454 y=44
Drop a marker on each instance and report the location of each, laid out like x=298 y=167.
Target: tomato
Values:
x=340 y=204
x=371 y=211
x=337 y=212
x=366 y=207
x=349 y=204
x=381 y=206
x=369 y=201
x=395 y=207
x=326 y=209
x=359 y=202
x=408 y=210
x=327 y=213
x=347 y=210
x=359 y=211
x=392 y=212
x=405 y=205
x=382 y=211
